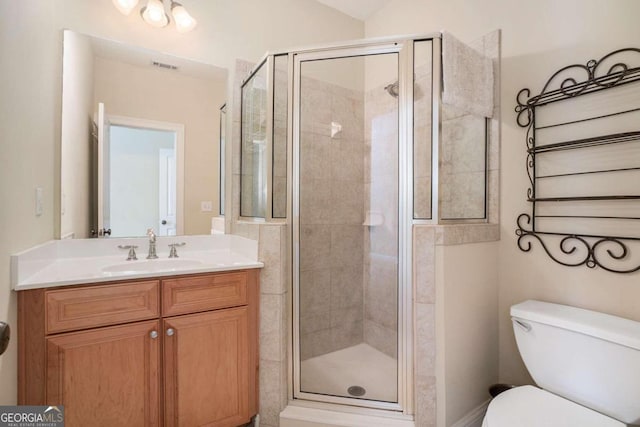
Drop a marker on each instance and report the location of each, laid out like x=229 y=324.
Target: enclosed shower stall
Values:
x=350 y=144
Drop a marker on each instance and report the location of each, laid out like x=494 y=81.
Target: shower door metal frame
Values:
x=404 y=49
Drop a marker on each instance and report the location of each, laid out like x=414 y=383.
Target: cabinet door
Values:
x=107 y=376
x=206 y=369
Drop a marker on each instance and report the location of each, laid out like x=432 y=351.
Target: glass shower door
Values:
x=346 y=206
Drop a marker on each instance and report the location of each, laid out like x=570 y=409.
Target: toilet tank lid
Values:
x=599 y=325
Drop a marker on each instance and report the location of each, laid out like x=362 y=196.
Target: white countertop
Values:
x=80 y=261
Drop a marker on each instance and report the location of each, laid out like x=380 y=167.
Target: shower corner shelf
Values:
x=579 y=218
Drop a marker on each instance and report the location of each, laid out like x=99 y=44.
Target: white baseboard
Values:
x=473 y=418
x=298 y=416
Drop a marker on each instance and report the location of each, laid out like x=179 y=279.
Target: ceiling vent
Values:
x=164 y=65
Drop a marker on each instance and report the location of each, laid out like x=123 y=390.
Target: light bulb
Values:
x=153 y=14
x=125 y=6
x=184 y=21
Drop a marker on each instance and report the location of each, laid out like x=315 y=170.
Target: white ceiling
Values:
x=359 y=9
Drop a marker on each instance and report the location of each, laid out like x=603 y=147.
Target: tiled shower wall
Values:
x=464 y=158
x=462 y=165
x=380 y=284
x=332 y=197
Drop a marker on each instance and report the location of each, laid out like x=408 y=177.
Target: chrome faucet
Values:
x=173 y=253
x=152 y=244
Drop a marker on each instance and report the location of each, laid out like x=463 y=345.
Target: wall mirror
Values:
x=140 y=141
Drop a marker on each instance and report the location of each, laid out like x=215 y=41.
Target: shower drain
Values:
x=356 y=390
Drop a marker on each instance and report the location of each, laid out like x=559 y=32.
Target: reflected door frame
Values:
x=178 y=129
x=404 y=50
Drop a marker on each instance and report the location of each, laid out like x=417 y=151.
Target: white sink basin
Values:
x=152 y=266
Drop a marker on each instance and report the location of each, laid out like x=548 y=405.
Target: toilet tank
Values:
x=588 y=357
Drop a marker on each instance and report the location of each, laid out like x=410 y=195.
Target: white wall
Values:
x=30 y=60
x=31 y=63
x=538 y=37
x=467 y=313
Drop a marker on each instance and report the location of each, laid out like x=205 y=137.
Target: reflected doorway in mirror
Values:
x=140 y=176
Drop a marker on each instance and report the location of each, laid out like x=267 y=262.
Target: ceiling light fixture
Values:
x=153 y=14
x=184 y=21
x=125 y=6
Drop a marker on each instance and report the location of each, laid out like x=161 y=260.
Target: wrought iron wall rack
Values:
x=598 y=244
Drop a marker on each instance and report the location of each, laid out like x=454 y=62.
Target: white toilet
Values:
x=587 y=365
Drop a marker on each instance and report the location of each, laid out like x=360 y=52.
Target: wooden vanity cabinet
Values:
x=176 y=351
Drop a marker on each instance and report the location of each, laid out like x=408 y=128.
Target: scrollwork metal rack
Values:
x=596 y=247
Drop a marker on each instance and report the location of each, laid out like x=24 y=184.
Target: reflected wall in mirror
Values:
x=145 y=94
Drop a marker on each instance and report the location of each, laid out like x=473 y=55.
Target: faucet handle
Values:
x=151 y=234
x=132 y=251
x=173 y=253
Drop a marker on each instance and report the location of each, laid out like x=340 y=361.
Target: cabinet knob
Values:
x=170 y=332
x=153 y=334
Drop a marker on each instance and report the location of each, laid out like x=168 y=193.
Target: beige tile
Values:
x=315 y=157
x=346 y=335
x=279 y=197
x=425 y=339
x=494 y=144
x=347 y=202
x=381 y=293
x=343 y=317
x=315 y=107
x=315 y=202
x=381 y=338
x=422 y=198
x=383 y=238
x=235 y=148
x=346 y=245
x=269 y=247
x=481 y=233
x=270 y=384
x=382 y=312
x=383 y=279
x=285 y=259
x=425 y=395
x=314 y=322
x=346 y=286
x=347 y=161
x=494 y=196
x=250 y=231
x=424 y=263
x=449 y=235
x=463 y=140
x=315 y=246
x=271 y=333
x=234 y=209
x=315 y=343
x=315 y=291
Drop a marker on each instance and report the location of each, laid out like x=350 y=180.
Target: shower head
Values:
x=392 y=89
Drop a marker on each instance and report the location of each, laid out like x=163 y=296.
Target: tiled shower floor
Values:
x=360 y=365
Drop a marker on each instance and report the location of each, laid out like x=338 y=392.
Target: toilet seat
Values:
x=529 y=406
